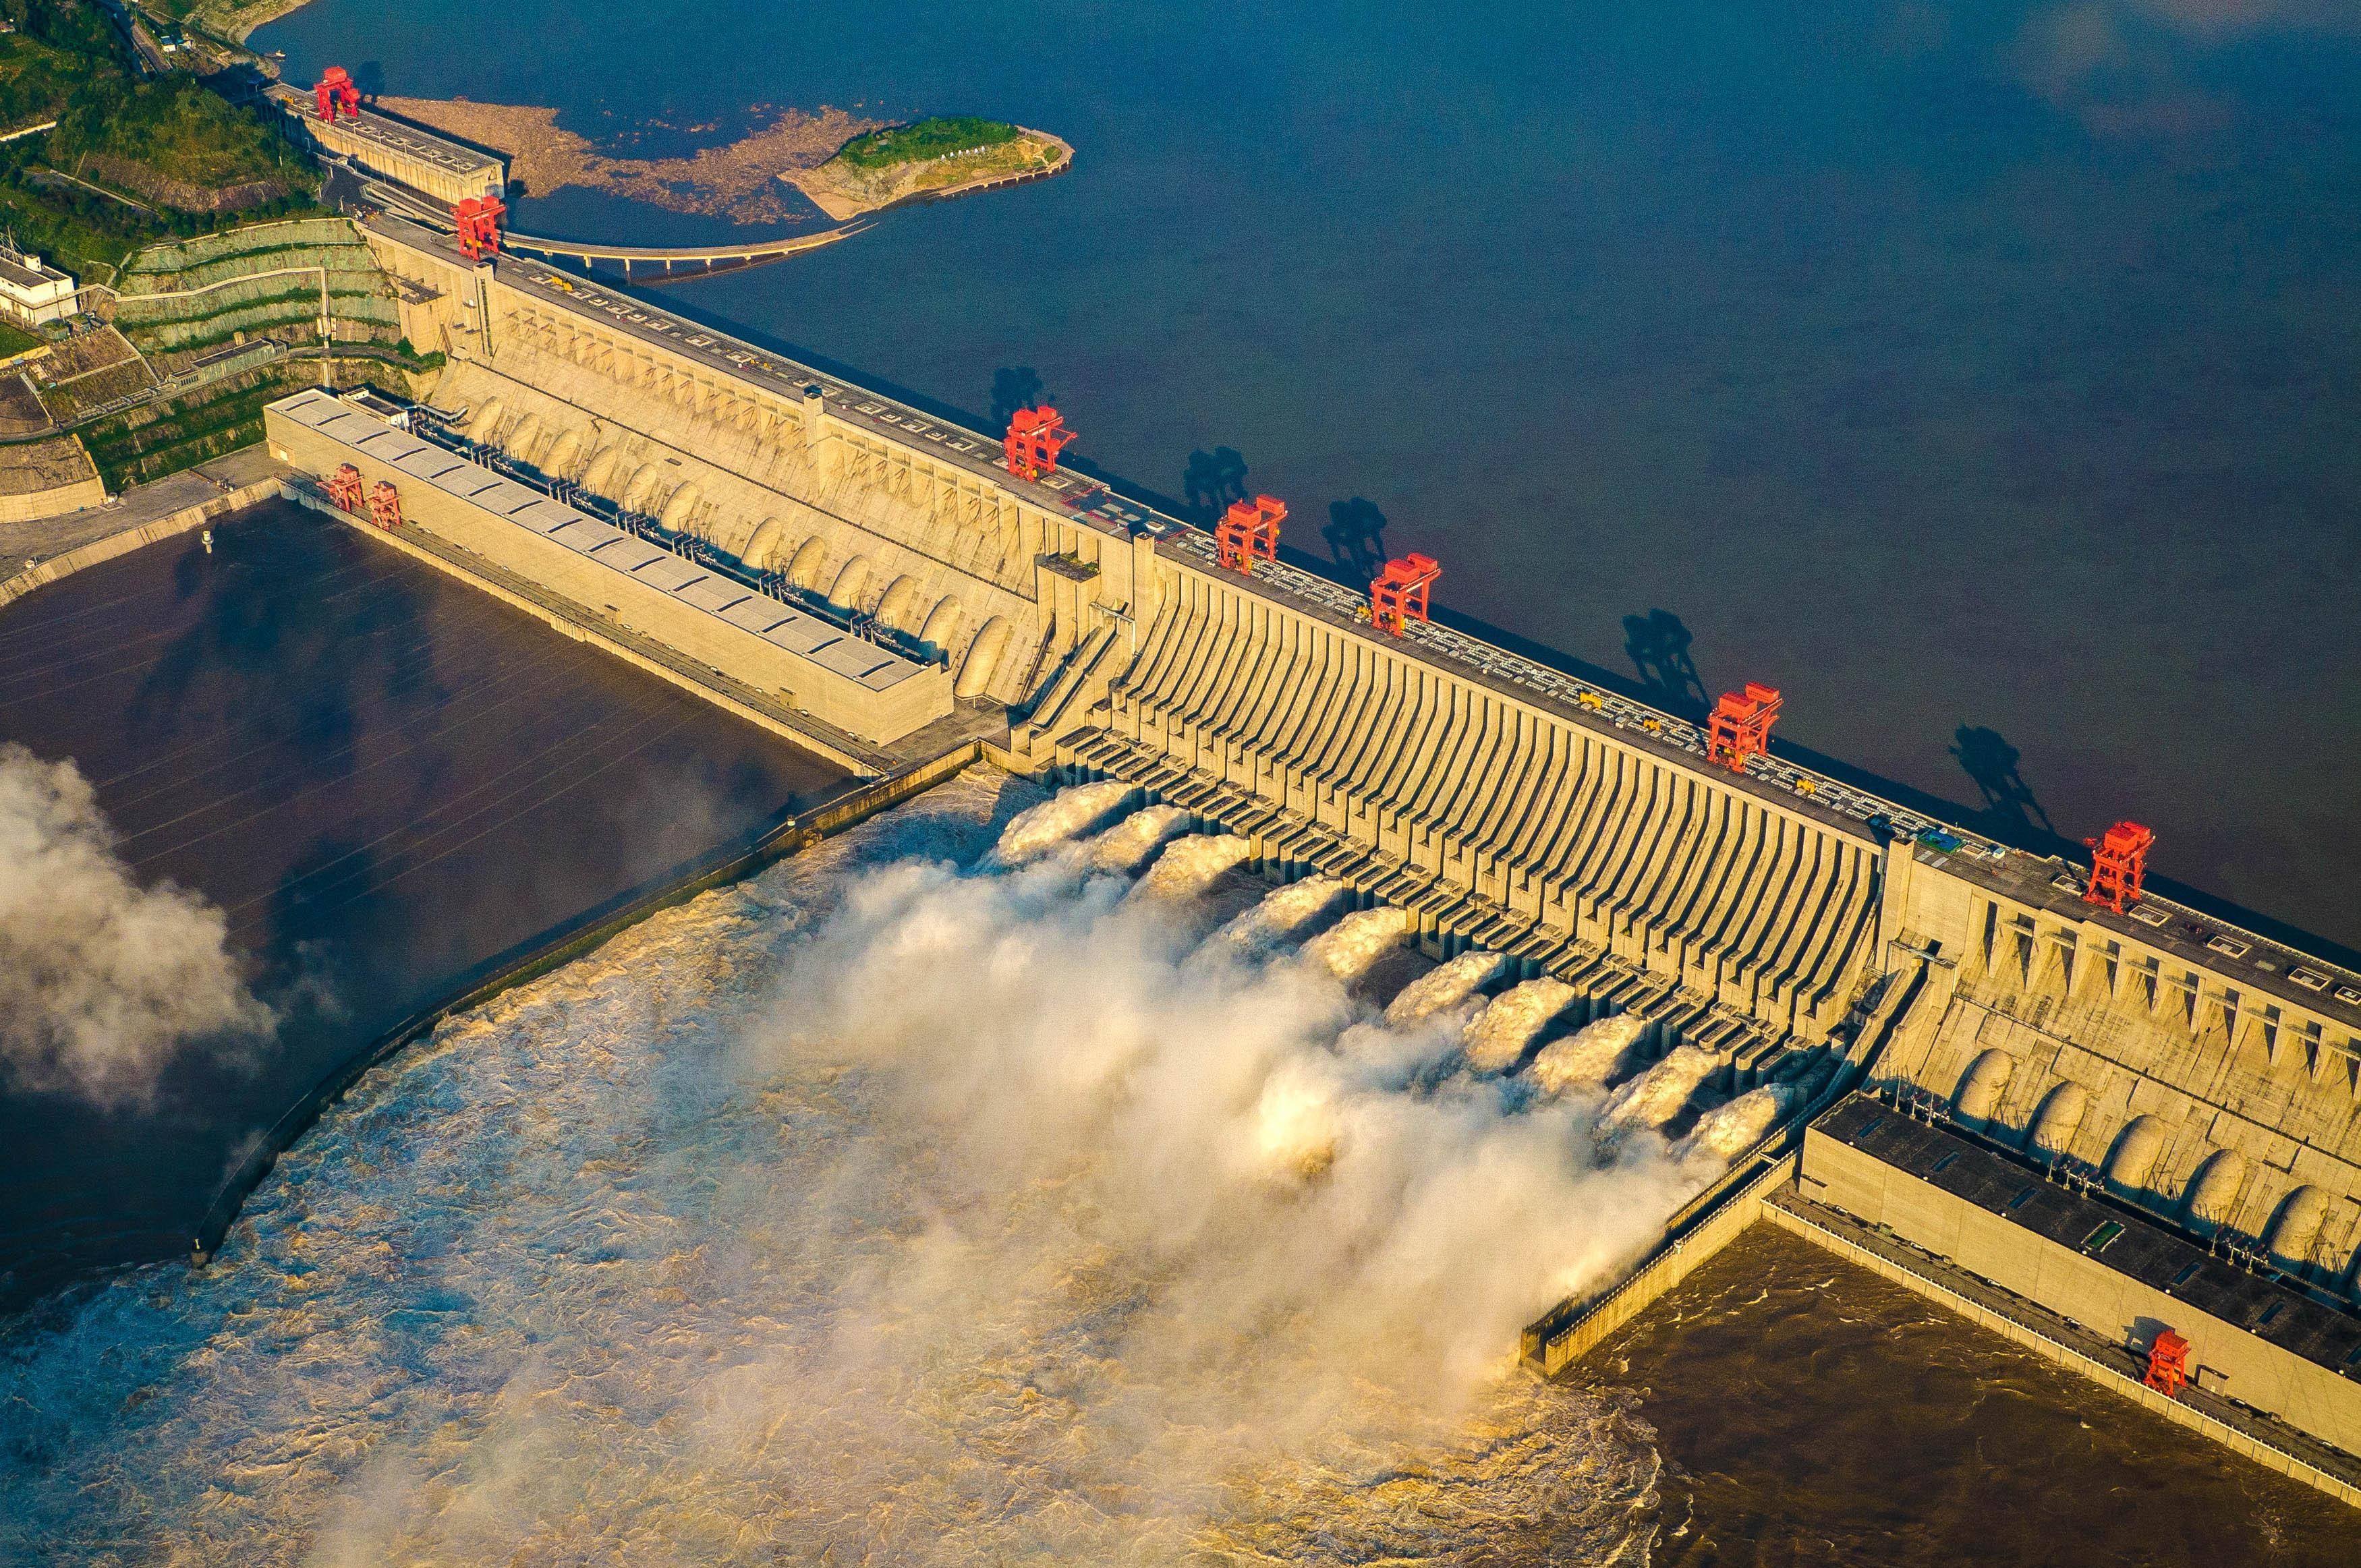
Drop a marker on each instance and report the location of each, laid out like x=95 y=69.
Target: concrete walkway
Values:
x=25 y=544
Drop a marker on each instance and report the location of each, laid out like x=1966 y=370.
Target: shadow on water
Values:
x=1356 y=536
x=1658 y=643
x=1211 y=481
x=1991 y=761
x=1014 y=387
x=280 y=666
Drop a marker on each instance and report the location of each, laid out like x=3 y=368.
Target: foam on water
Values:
x=1127 y=846
x=1189 y=866
x=1590 y=1057
x=869 y=1212
x=1069 y=812
x=1446 y=985
x=1499 y=1037
x=1352 y=946
x=1662 y=1092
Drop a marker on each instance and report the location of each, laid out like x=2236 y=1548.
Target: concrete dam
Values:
x=2090 y=1118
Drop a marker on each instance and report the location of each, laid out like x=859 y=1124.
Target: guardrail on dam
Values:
x=2179 y=1069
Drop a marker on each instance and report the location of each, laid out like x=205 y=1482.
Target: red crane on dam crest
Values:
x=1740 y=726
x=1250 y=533
x=2119 y=866
x=1399 y=595
x=479 y=219
x=1035 y=438
x=336 y=92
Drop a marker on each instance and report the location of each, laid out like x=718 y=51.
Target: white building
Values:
x=31 y=290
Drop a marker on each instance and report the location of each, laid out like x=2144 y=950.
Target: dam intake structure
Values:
x=1750 y=938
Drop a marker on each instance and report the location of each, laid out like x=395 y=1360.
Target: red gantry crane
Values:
x=1035 y=438
x=2119 y=866
x=385 y=506
x=345 y=488
x=1740 y=728
x=1248 y=533
x=1398 y=596
x=479 y=219
x=336 y=92
x=2167 y=1364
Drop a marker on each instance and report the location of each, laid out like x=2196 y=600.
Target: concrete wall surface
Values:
x=2082 y=1289
x=918 y=697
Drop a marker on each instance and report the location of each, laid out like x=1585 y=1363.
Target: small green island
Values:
x=926 y=161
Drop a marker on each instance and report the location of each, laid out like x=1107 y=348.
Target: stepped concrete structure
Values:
x=2200 y=1079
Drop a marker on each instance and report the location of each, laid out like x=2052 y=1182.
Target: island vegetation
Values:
x=936 y=137
x=926 y=161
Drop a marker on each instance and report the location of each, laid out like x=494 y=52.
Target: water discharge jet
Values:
x=1591 y=1057
x=1499 y=1037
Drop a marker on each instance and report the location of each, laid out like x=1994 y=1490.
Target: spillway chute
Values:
x=1445 y=986
x=1734 y=1127
x=1126 y=847
x=1499 y=1037
x=1063 y=816
x=1282 y=916
x=1352 y=946
x=1661 y=1093
x=1189 y=866
x=1591 y=1057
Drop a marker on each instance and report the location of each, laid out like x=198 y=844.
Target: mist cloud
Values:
x=102 y=982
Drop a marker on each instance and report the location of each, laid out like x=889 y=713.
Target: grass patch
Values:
x=145 y=444
x=939 y=137
x=15 y=340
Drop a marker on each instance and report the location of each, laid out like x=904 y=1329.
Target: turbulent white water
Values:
x=1282 y=913
x=1188 y=866
x=1127 y=846
x=1499 y=1037
x=1588 y=1057
x=1353 y=946
x=1057 y=821
x=1729 y=1130
x=1445 y=986
x=1662 y=1092
x=870 y=1211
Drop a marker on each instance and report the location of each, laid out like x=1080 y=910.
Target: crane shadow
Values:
x=1356 y=535
x=2009 y=803
x=1213 y=480
x=1658 y=643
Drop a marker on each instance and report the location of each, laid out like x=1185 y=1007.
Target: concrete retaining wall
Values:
x=2055 y=1349
x=2115 y=1307
x=1550 y=1346
x=183 y=521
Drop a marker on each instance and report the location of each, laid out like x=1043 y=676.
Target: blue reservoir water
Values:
x=1956 y=367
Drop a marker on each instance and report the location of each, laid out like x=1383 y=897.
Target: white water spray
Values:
x=1661 y=1093
x=1445 y=986
x=1279 y=917
x=1499 y=1037
x=1352 y=946
x=1727 y=1130
x=1189 y=866
x=1127 y=846
x=1591 y=1057
x=870 y=1211
x=1037 y=829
